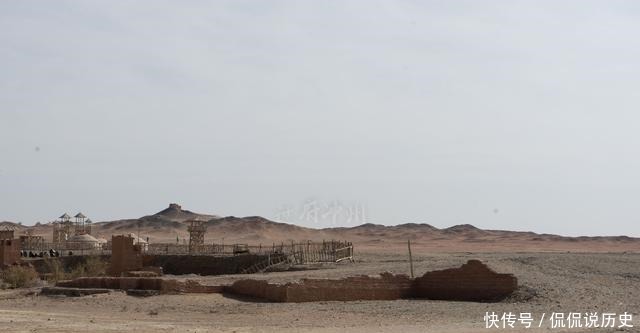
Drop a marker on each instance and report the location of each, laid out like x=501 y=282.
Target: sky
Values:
x=518 y=115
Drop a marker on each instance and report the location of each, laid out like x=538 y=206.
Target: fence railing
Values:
x=303 y=252
x=325 y=251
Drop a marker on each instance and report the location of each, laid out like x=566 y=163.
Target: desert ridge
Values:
x=170 y=226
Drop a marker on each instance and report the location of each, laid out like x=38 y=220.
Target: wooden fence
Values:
x=332 y=251
x=304 y=252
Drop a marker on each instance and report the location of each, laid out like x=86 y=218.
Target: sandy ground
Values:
x=551 y=282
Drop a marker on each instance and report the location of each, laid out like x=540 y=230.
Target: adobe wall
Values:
x=124 y=255
x=474 y=281
x=202 y=265
x=9 y=252
x=165 y=286
x=259 y=289
x=385 y=287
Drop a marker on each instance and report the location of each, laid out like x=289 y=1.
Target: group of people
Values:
x=42 y=254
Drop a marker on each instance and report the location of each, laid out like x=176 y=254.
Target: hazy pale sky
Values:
x=520 y=115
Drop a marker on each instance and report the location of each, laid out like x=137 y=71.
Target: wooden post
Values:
x=410 y=257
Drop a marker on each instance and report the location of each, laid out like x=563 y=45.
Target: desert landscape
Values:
x=555 y=275
x=168 y=224
x=284 y=166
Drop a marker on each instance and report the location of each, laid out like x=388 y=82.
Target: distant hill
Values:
x=171 y=223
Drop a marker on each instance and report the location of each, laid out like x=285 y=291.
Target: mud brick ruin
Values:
x=128 y=259
x=473 y=281
x=9 y=248
x=9 y=252
x=385 y=287
x=163 y=286
x=125 y=256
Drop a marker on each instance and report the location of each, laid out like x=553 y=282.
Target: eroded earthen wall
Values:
x=166 y=286
x=125 y=256
x=385 y=287
x=259 y=289
x=474 y=281
x=9 y=252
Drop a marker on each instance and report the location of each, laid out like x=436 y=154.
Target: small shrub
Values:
x=20 y=276
x=54 y=269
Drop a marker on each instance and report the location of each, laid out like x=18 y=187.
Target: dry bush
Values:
x=93 y=266
x=55 y=270
x=20 y=276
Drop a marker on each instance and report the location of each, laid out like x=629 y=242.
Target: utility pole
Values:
x=410 y=257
